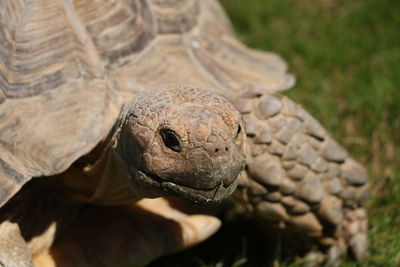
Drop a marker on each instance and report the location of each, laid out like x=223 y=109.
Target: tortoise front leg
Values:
x=14 y=250
x=300 y=181
x=131 y=235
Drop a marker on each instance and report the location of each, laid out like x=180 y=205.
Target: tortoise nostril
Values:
x=219 y=150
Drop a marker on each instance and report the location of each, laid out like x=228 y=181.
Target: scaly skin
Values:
x=299 y=180
x=14 y=251
x=180 y=141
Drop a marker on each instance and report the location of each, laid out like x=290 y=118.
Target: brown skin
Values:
x=187 y=140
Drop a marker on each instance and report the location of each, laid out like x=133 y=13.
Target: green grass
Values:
x=346 y=57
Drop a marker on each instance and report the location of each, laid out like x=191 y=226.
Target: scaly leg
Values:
x=299 y=180
x=30 y=221
x=14 y=251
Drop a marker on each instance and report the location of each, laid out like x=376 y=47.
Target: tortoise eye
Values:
x=239 y=129
x=171 y=140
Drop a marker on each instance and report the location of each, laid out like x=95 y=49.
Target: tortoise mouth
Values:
x=194 y=195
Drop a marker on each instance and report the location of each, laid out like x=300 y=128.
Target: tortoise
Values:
x=109 y=106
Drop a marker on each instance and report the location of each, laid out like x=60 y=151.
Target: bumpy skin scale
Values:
x=300 y=180
x=67 y=69
x=14 y=250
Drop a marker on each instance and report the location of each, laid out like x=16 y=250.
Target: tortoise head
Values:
x=183 y=141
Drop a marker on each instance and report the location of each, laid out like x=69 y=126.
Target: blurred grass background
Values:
x=346 y=57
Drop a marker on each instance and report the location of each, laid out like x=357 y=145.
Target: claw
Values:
x=358 y=246
x=197 y=228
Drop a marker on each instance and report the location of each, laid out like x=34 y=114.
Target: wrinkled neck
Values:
x=104 y=182
x=115 y=184
x=102 y=176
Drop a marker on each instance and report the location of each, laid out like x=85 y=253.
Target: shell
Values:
x=62 y=60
